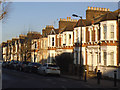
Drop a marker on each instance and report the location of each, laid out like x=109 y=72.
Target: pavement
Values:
x=93 y=82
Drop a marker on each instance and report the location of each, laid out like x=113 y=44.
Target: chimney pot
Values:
x=94 y=8
x=100 y=9
x=108 y=9
x=88 y=8
x=91 y=8
x=67 y=18
x=97 y=8
x=105 y=9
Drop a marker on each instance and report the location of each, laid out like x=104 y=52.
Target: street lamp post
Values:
x=80 y=39
x=80 y=44
x=34 y=55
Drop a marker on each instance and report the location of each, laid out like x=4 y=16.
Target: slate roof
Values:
x=107 y=16
x=97 y=20
x=56 y=31
x=84 y=23
x=68 y=28
x=52 y=32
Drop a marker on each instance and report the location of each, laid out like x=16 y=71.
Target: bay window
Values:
x=112 y=58
x=112 y=31
x=104 y=31
x=52 y=41
x=105 y=57
x=69 y=38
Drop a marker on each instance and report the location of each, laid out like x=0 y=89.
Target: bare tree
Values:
x=4 y=6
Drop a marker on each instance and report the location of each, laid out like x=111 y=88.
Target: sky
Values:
x=34 y=16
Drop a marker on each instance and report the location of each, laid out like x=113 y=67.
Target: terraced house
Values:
x=61 y=40
x=100 y=40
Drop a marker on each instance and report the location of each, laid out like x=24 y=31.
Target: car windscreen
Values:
x=36 y=64
x=50 y=65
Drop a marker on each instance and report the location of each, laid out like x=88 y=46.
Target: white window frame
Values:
x=112 y=31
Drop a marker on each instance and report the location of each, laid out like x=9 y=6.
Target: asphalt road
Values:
x=17 y=79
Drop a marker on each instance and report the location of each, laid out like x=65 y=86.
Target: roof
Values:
x=84 y=23
x=107 y=16
x=52 y=32
x=56 y=31
x=67 y=28
x=97 y=20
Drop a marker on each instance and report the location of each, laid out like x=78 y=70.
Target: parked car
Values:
x=23 y=66
x=33 y=67
x=14 y=64
x=49 y=68
x=18 y=65
x=4 y=64
x=8 y=64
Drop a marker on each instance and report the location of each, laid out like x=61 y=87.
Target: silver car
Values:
x=49 y=69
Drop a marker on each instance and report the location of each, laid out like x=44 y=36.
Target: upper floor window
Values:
x=65 y=38
x=35 y=45
x=96 y=34
x=90 y=34
x=69 y=38
x=45 y=44
x=41 y=43
x=59 y=42
x=52 y=41
x=104 y=31
x=49 y=40
x=82 y=35
x=112 y=31
x=77 y=35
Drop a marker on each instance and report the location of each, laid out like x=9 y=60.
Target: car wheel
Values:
x=30 y=70
x=44 y=73
x=20 y=69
